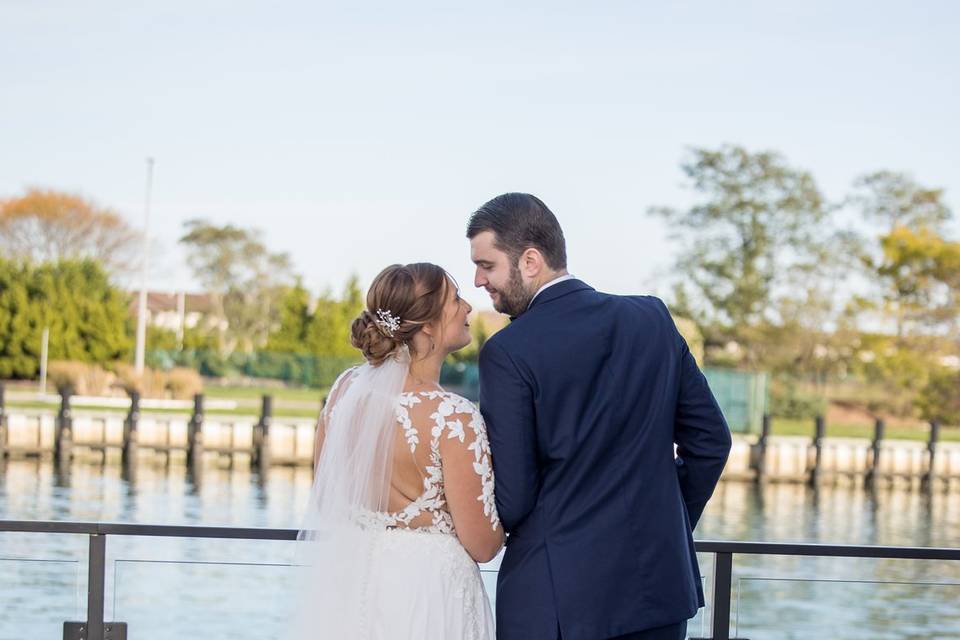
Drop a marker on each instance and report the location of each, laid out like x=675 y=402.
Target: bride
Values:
x=402 y=505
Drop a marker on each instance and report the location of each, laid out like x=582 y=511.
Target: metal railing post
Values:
x=96 y=583
x=722 y=582
x=94 y=627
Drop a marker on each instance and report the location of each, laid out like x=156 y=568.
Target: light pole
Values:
x=44 y=353
x=145 y=266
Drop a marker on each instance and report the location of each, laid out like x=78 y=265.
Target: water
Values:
x=238 y=589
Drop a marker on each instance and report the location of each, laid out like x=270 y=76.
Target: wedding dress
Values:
x=374 y=563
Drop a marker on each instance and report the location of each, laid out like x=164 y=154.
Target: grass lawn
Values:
x=287 y=402
x=784 y=427
x=280 y=394
x=282 y=412
x=279 y=410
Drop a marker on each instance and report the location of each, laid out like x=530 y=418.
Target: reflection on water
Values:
x=239 y=589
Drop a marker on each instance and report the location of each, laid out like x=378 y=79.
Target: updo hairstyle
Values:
x=414 y=293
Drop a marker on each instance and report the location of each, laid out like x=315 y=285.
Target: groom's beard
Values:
x=514 y=298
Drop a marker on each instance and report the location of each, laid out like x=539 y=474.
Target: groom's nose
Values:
x=479 y=280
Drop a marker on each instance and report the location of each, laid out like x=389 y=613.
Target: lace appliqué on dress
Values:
x=448 y=417
x=407 y=401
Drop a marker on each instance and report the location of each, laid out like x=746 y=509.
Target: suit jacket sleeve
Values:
x=506 y=402
x=700 y=432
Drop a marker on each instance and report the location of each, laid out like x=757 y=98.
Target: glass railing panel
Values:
x=160 y=599
x=37 y=595
x=765 y=607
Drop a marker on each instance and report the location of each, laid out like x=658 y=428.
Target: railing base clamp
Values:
x=78 y=631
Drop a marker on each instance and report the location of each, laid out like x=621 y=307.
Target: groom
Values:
x=585 y=395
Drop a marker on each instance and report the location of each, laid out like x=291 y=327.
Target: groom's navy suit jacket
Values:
x=584 y=396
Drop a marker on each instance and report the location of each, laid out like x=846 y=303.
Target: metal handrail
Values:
x=722 y=576
x=262 y=533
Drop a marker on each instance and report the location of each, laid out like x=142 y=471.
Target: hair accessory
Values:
x=387 y=322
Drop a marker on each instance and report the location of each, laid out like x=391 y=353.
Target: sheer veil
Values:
x=351 y=488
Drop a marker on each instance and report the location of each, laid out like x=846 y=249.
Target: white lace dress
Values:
x=421 y=582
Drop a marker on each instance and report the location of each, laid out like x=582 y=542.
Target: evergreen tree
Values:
x=85 y=314
x=291 y=334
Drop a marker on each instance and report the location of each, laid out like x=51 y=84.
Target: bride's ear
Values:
x=425 y=336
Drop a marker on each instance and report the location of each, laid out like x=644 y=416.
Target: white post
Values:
x=44 y=352
x=181 y=318
x=142 y=308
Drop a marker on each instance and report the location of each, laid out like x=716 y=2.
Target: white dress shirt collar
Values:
x=548 y=285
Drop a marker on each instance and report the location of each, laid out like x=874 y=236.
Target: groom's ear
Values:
x=531 y=263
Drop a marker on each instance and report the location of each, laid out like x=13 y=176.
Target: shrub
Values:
x=787 y=400
x=82 y=378
x=152 y=384
x=940 y=398
x=183 y=383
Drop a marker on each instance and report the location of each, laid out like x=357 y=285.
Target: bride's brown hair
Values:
x=414 y=293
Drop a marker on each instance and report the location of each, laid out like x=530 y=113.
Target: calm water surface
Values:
x=237 y=589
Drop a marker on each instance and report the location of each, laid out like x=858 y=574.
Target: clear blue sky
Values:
x=360 y=134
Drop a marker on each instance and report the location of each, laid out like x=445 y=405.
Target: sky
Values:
x=357 y=135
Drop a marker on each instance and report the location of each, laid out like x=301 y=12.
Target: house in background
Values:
x=179 y=311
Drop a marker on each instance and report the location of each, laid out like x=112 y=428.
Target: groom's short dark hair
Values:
x=520 y=221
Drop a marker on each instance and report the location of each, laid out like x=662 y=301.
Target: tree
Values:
x=246 y=280
x=914 y=264
x=894 y=199
x=756 y=230
x=328 y=333
x=44 y=225
x=19 y=340
x=915 y=273
x=86 y=315
x=290 y=336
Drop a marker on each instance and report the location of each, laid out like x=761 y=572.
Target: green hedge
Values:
x=293 y=368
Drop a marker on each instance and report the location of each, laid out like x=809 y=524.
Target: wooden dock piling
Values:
x=195 y=433
x=931 y=473
x=128 y=455
x=261 y=436
x=63 y=433
x=879 y=430
x=759 y=451
x=820 y=432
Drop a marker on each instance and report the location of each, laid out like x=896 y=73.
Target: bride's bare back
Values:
x=442 y=476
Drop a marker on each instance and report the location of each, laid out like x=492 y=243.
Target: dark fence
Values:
x=96 y=628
